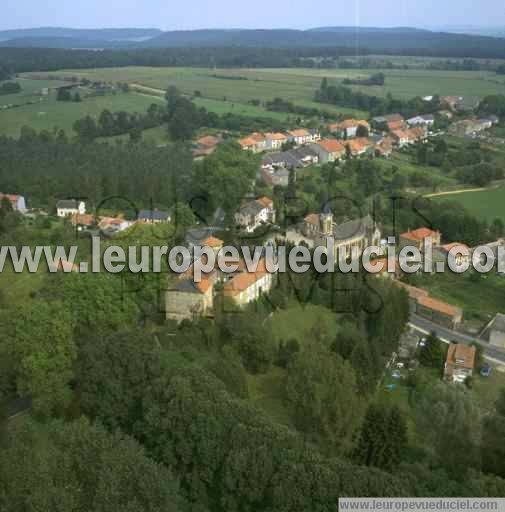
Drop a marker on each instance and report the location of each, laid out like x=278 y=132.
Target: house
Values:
x=460 y=362
x=282 y=159
x=246 y=287
x=418 y=239
x=494 y=332
x=494 y=119
x=441 y=253
x=414 y=294
x=432 y=309
x=253 y=214
x=451 y=102
x=205 y=146
x=305 y=155
x=348 y=128
x=439 y=312
x=470 y=126
x=112 y=225
x=390 y=122
x=350 y=238
x=153 y=216
x=423 y=120
x=485 y=123
x=275 y=177
x=329 y=150
x=68 y=207
x=406 y=137
x=401 y=138
x=302 y=136
x=384 y=147
x=255 y=142
x=17 y=202
x=82 y=221
x=275 y=140
x=187 y=299
x=359 y=146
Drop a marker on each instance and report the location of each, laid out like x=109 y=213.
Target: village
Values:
x=282 y=156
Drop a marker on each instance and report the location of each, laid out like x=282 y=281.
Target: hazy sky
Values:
x=172 y=15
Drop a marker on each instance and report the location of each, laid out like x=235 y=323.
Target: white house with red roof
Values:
x=18 y=202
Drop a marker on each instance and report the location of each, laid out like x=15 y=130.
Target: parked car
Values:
x=396 y=374
x=486 y=371
x=422 y=342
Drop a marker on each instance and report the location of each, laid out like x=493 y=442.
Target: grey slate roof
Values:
x=251 y=208
x=303 y=152
x=152 y=215
x=285 y=158
x=352 y=228
x=68 y=204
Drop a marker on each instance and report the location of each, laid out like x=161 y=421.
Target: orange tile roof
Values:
x=209 y=140
x=332 y=146
x=420 y=234
x=385 y=146
x=11 y=197
x=350 y=123
x=302 y=132
x=275 y=136
x=265 y=201
x=312 y=218
x=245 y=280
x=257 y=137
x=247 y=142
x=395 y=125
x=212 y=242
x=84 y=220
x=461 y=355
x=359 y=145
x=414 y=293
x=438 y=305
x=453 y=245
x=401 y=134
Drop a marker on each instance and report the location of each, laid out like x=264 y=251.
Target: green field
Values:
x=31 y=91
x=49 y=113
x=226 y=90
x=480 y=299
x=297 y=84
x=298 y=322
x=487 y=204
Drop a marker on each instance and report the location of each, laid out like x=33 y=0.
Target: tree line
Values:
x=343 y=96
x=9 y=88
x=19 y=60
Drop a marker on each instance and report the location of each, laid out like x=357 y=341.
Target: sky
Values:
x=176 y=15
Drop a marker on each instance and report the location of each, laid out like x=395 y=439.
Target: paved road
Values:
x=424 y=326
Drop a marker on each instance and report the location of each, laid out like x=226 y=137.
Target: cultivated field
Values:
x=225 y=90
x=297 y=84
x=486 y=204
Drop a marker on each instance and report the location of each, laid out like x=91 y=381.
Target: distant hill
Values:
x=400 y=40
x=372 y=38
x=369 y=29
x=105 y=34
x=497 y=31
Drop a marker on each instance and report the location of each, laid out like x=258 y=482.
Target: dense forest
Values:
x=25 y=59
